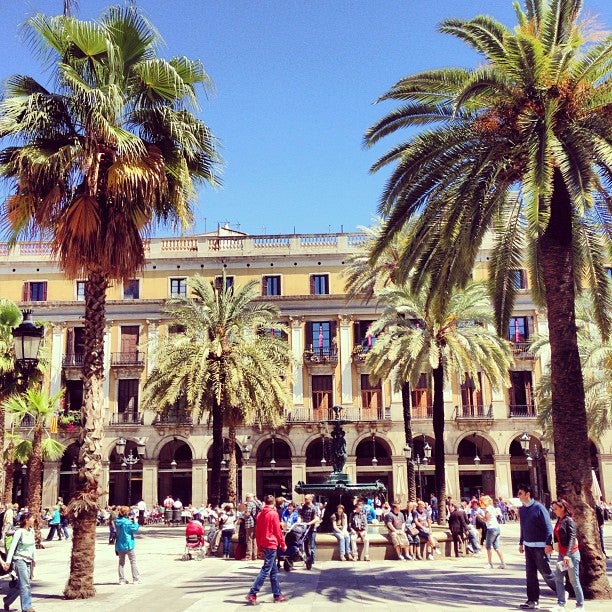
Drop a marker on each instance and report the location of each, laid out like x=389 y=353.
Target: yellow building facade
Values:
x=329 y=338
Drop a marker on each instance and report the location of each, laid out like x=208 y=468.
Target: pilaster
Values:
x=346 y=324
x=297 y=348
x=50 y=485
x=199 y=481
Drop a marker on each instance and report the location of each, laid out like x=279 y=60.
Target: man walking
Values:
x=253 y=506
x=536 y=542
x=269 y=538
x=311 y=516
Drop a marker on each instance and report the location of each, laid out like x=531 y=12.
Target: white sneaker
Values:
x=489 y=566
x=430 y=557
x=400 y=557
x=409 y=557
x=558 y=608
x=502 y=566
x=437 y=550
x=123 y=582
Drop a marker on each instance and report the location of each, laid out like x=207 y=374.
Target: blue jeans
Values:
x=345 y=542
x=573 y=573
x=268 y=568
x=310 y=543
x=492 y=538
x=536 y=560
x=23 y=589
x=227 y=541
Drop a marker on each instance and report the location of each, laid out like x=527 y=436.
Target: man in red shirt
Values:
x=269 y=538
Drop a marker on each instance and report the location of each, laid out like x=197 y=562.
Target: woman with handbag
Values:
x=22 y=553
x=564 y=533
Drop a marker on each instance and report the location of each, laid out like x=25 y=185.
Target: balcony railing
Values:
x=520 y=411
x=319 y=356
x=172 y=418
x=28 y=421
x=474 y=412
x=302 y=414
x=522 y=350
x=127 y=418
x=422 y=412
x=73 y=360
x=133 y=359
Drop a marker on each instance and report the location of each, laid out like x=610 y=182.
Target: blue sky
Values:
x=295 y=82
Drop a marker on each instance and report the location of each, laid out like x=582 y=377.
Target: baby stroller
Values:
x=194 y=548
x=294 y=539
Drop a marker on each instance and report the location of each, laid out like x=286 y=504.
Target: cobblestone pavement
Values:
x=171 y=584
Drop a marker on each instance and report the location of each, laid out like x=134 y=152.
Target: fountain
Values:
x=338 y=489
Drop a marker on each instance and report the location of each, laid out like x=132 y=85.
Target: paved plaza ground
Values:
x=170 y=584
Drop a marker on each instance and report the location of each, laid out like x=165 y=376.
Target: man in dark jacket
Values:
x=458 y=526
x=269 y=538
x=536 y=542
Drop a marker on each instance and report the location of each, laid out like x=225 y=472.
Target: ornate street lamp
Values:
x=246 y=452
x=129 y=461
x=27 y=338
x=525 y=439
x=427 y=453
x=374 y=459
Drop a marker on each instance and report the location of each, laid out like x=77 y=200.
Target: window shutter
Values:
x=264 y=285
x=26 y=292
x=70 y=341
x=332 y=331
x=312 y=284
x=44 y=291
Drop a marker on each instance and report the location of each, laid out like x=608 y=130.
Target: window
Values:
x=362 y=334
x=319 y=284
x=519 y=279
x=127 y=397
x=471 y=397
x=129 y=339
x=421 y=398
x=271 y=332
x=520 y=393
x=271 y=285
x=131 y=289
x=35 y=291
x=520 y=329
x=74 y=395
x=229 y=282
x=322 y=338
x=80 y=290
x=322 y=395
x=371 y=398
x=178 y=287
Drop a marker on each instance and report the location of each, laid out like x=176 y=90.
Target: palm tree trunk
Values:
x=407 y=414
x=438 y=427
x=35 y=470
x=9 y=475
x=83 y=507
x=232 y=487
x=217 y=442
x=570 y=431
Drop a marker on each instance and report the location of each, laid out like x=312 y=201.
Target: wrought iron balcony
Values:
x=522 y=350
x=321 y=356
x=131 y=359
x=73 y=360
x=422 y=412
x=522 y=411
x=302 y=414
x=27 y=422
x=127 y=418
x=172 y=418
x=473 y=412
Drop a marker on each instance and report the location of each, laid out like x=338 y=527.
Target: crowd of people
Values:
x=473 y=523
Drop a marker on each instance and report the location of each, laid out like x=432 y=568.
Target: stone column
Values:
x=50 y=486
x=104 y=482
x=297 y=348
x=57 y=346
x=400 y=480
x=150 y=494
x=452 y=476
x=346 y=325
x=298 y=472
x=199 y=481
x=107 y=361
x=152 y=331
x=503 y=476
x=551 y=474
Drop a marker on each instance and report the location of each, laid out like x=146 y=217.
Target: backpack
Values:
x=8 y=539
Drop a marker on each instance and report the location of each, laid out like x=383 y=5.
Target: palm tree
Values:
x=95 y=165
x=36 y=406
x=533 y=115
x=223 y=365
x=415 y=336
x=10 y=317
x=362 y=278
x=596 y=360
x=16 y=450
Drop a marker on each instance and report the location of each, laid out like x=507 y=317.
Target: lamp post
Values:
x=525 y=441
x=534 y=458
x=129 y=461
x=477 y=464
x=27 y=338
x=24 y=471
x=374 y=459
x=73 y=472
x=418 y=462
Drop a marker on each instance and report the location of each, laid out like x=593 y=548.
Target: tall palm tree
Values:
x=10 y=317
x=223 y=364
x=36 y=408
x=94 y=166
x=415 y=336
x=596 y=360
x=362 y=278
x=533 y=115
